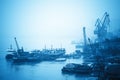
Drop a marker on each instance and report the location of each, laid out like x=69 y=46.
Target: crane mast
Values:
x=85 y=40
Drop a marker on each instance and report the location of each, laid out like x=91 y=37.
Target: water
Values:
x=46 y=70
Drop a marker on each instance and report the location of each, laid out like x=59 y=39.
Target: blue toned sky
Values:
x=37 y=23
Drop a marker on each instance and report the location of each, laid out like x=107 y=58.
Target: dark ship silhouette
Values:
x=37 y=55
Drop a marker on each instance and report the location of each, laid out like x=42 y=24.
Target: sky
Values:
x=36 y=23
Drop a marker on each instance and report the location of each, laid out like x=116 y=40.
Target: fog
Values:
x=37 y=23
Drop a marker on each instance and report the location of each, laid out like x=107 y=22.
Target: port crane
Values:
x=82 y=45
x=19 y=51
x=101 y=27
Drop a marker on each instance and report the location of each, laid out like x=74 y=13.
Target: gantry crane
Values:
x=101 y=27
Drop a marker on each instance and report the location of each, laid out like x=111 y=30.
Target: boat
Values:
x=77 y=68
x=37 y=55
x=60 y=59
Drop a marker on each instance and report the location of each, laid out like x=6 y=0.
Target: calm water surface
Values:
x=45 y=70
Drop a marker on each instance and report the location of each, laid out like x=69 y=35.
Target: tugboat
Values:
x=77 y=68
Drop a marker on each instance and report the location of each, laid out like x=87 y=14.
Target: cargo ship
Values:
x=37 y=55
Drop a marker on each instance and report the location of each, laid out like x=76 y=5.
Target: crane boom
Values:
x=16 y=44
x=101 y=27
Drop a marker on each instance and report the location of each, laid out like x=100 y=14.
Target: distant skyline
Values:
x=37 y=23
